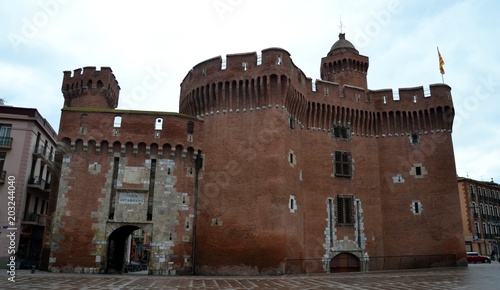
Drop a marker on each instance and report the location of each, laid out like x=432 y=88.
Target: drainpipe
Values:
x=198 y=166
x=358 y=218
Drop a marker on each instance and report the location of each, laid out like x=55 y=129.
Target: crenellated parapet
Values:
x=416 y=98
x=248 y=82
x=90 y=88
x=239 y=83
x=126 y=132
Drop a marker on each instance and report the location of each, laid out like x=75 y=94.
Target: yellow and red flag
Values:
x=441 y=63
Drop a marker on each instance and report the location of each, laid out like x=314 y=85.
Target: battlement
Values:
x=412 y=98
x=81 y=87
x=240 y=62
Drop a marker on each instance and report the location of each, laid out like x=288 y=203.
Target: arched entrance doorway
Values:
x=117 y=249
x=344 y=262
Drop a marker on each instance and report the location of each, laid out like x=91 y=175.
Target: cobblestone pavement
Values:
x=476 y=276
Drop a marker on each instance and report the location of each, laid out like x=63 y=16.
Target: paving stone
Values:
x=480 y=276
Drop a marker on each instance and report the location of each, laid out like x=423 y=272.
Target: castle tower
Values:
x=90 y=88
x=344 y=65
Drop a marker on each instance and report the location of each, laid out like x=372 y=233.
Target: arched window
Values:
x=158 y=124
x=117 y=122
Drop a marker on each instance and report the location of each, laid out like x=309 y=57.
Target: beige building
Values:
x=480 y=202
x=27 y=146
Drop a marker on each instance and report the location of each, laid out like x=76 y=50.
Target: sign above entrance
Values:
x=131 y=198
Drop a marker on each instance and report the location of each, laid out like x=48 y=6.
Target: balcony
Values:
x=45 y=154
x=39 y=184
x=6 y=142
x=35 y=219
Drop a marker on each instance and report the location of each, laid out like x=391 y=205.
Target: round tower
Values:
x=344 y=65
x=90 y=88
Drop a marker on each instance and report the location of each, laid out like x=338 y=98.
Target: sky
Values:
x=163 y=40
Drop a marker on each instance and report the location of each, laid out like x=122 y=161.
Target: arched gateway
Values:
x=118 y=253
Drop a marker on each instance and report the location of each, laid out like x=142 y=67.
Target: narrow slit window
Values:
x=418 y=170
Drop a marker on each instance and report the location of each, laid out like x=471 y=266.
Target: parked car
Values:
x=474 y=257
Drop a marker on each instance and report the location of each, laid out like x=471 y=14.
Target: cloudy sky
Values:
x=164 y=39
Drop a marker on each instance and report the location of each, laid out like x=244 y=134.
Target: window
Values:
x=292 y=204
x=415 y=138
x=244 y=65
x=345 y=209
x=471 y=192
x=292 y=122
x=158 y=124
x=343 y=164
x=117 y=122
x=416 y=207
x=190 y=127
x=5 y=139
x=341 y=132
x=2 y=163
x=278 y=60
x=418 y=171
x=292 y=158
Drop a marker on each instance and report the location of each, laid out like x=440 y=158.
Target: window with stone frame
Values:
x=343 y=164
x=345 y=209
x=341 y=132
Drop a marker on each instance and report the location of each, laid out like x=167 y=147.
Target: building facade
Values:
x=27 y=147
x=480 y=214
x=262 y=171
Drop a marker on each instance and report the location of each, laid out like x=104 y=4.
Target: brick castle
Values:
x=262 y=171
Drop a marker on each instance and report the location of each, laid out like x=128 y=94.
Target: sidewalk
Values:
x=476 y=276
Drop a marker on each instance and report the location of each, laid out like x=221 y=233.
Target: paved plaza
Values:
x=476 y=276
